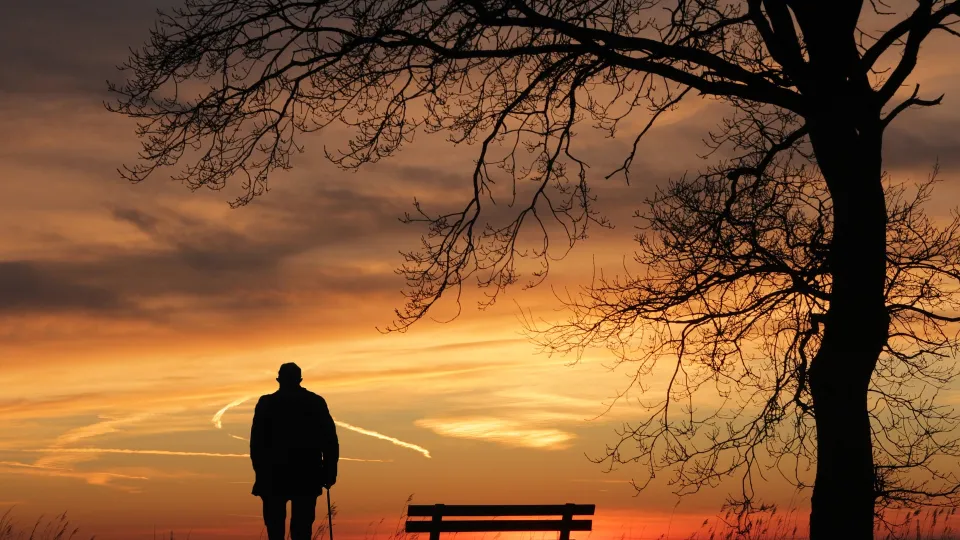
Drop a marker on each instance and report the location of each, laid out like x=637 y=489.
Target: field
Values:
x=926 y=524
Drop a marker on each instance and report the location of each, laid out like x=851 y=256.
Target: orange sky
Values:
x=131 y=314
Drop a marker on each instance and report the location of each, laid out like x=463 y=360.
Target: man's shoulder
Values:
x=313 y=396
x=301 y=396
x=266 y=398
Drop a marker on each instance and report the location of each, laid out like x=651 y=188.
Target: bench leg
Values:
x=567 y=519
x=437 y=518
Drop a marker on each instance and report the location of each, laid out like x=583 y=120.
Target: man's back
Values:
x=293 y=443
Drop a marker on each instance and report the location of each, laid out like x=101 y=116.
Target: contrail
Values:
x=232 y=404
x=369 y=433
x=166 y=453
x=397 y=442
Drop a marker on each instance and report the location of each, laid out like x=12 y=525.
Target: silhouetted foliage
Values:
x=796 y=245
x=733 y=289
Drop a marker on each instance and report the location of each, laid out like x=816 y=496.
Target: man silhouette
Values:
x=294 y=450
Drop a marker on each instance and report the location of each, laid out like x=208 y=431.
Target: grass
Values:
x=56 y=528
x=921 y=524
x=929 y=524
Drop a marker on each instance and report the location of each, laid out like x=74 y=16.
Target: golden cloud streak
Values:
x=96 y=478
x=103 y=427
x=508 y=432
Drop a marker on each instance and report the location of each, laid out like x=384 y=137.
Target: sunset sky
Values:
x=139 y=323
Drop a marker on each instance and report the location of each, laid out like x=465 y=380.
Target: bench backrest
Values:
x=435 y=526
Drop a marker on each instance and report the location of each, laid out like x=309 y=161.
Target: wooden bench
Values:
x=435 y=526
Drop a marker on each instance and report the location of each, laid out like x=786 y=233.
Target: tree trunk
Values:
x=856 y=328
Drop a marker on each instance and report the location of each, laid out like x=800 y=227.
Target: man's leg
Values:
x=303 y=510
x=275 y=516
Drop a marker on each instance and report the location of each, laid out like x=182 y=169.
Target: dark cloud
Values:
x=141 y=220
x=25 y=287
x=290 y=253
x=66 y=47
x=307 y=237
x=126 y=285
x=922 y=138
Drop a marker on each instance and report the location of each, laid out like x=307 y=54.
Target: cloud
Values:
x=103 y=427
x=532 y=407
x=26 y=287
x=50 y=406
x=451 y=371
x=163 y=395
x=470 y=345
x=376 y=435
x=594 y=481
x=922 y=139
x=321 y=239
x=219 y=415
x=67 y=47
x=506 y=432
x=63 y=461
x=194 y=264
x=139 y=219
x=98 y=478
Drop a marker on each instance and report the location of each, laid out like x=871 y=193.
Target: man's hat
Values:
x=289 y=372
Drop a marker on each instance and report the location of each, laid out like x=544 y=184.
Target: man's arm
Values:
x=258 y=435
x=329 y=443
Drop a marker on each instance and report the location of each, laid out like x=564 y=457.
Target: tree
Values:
x=732 y=296
x=809 y=83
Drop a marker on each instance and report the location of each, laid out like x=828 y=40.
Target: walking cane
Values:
x=329 y=514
